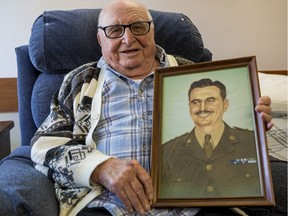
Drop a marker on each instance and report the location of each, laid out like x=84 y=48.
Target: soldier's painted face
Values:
x=207 y=108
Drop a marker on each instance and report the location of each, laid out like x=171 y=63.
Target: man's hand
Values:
x=128 y=180
x=263 y=107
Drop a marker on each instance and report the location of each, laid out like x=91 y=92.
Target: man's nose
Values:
x=202 y=105
x=128 y=36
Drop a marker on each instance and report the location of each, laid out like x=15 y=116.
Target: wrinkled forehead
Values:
x=123 y=12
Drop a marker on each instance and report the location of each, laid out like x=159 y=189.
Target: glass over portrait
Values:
x=209 y=145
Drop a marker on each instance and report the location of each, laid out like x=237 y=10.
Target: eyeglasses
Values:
x=117 y=31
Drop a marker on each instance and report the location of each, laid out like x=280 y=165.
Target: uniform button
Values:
x=209 y=167
x=232 y=137
x=188 y=141
x=247 y=175
x=179 y=180
x=210 y=188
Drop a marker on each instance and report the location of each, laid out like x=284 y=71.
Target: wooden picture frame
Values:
x=181 y=175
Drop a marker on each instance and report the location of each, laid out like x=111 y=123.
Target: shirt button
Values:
x=247 y=175
x=188 y=141
x=210 y=188
x=179 y=180
x=96 y=116
x=209 y=167
x=144 y=147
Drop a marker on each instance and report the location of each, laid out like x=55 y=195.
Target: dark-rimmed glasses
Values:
x=117 y=31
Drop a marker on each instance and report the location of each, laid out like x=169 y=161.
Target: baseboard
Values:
x=8 y=95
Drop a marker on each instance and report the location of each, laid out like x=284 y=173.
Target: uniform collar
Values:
x=215 y=135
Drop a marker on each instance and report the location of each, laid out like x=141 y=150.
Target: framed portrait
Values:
x=209 y=144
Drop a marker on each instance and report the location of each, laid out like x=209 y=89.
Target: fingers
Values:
x=131 y=193
x=121 y=194
x=133 y=197
x=269 y=126
x=142 y=188
x=130 y=199
x=267 y=120
x=146 y=181
x=264 y=100
x=263 y=107
x=138 y=197
x=128 y=180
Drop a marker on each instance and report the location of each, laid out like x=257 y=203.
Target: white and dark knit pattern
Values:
x=62 y=149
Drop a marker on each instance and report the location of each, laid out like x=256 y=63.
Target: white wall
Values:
x=229 y=29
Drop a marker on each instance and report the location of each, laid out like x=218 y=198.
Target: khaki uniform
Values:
x=231 y=171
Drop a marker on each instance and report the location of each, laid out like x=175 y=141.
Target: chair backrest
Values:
x=63 y=40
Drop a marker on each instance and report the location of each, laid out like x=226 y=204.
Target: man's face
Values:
x=207 y=108
x=130 y=52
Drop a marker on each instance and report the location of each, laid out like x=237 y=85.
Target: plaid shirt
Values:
x=125 y=128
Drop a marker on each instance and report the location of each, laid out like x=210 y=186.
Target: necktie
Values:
x=208 y=148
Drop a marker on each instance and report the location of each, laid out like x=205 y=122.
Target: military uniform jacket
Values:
x=231 y=171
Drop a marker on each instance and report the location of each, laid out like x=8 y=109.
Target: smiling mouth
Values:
x=130 y=51
x=203 y=114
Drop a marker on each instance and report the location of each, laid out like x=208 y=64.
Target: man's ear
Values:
x=99 y=39
x=226 y=104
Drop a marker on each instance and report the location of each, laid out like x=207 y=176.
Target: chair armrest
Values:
x=26 y=78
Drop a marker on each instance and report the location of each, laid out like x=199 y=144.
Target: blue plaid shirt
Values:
x=125 y=128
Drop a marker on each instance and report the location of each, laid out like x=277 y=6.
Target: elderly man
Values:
x=96 y=142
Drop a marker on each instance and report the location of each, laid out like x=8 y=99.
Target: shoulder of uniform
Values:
x=178 y=138
x=242 y=129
